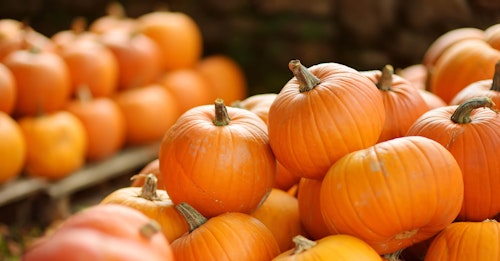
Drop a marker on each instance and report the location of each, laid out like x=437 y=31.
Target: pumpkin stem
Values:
x=302 y=244
x=149 y=229
x=495 y=85
x=150 y=186
x=307 y=80
x=83 y=93
x=385 y=81
x=463 y=111
x=393 y=256
x=79 y=25
x=221 y=115
x=194 y=218
x=115 y=9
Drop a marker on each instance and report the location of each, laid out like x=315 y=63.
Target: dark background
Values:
x=263 y=35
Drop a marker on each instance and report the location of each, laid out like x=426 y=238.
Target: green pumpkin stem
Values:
x=495 y=85
x=463 y=111
x=194 y=218
x=385 y=81
x=307 y=80
x=221 y=115
x=302 y=244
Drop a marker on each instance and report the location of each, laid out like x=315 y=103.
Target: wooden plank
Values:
x=125 y=161
x=21 y=188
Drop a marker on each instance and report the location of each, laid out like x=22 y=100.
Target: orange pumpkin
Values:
x=8 y=90
x=321 y=114
x=78 y=31
x=228 y=236
x=56 y=144
x=226 y=77
x=463 y=63
x=103 y=121
x=416 y=74
x=115 y=18
x=42 y=80
x=463 y=241
x=149 y=111
x=213 y=153
x=310 y=209
x=177 y=35
x=12 y=148
x=393 y=194
x=138 y=57
x=280 y=213
x=488 y=87
x=152 y=167
x=154 y=203
x=492 y=36
x=334 y=247
x=470 y=132
x=258 y=104
x=102 y=233
x=403 y=103
x=432 y=100
x=189 y=87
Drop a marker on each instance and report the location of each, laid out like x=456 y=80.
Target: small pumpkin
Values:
x=152 y=167
x=393 y=194
x=213 y=153
x=321 y=114
x=17 y=35
x=333 y=247
x=463 y=241
x=470 y=132
x=154 y=203
x=258 y=104
x=492 y=35
x=308 y=195
x=8 y=90
x=228 y=236
x=115 y=18
x=102 y=233
x=12 y=148
x=56 y=144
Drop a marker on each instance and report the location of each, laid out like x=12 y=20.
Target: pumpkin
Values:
x=432 y=100
x=42 y=81
x=333 y=247
x=12 y=148
x=103 y=121
x=280 y=213
x=488 y=87
x=402 y=102
x=103 y=233
x=149 y=111
x=310 y=209
x=445 y=41
x=56 y=144
x=228 y=236
x=213 y=153
x=8 y=90
x=470 y=133
x=492 y=36
x=463 y=63
x=225 y=76
x=393 y=194
x=138 y=57
x=258 y=104
x=154 y=203
x=285 y=179
x=91 y=64
x=177 y=35
x=77 y=31
x=152 y=167
x=115 y=18
x=321 y=114
x=416 y=74
x=187 y=81
x=462 y=241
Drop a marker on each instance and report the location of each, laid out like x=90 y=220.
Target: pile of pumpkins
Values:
x=341 y=164
x=85 y=93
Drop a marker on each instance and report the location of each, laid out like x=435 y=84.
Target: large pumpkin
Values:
x=393 y=194
x=321 y=114
x=228 y=236
x=218 y=159
x=470 y=133
x=12 y=148
x=464 y=241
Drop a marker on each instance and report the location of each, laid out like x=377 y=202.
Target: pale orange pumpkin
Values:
x=8 y=90
x=12 y=148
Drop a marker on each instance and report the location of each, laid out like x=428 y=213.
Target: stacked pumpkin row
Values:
x=341 y=164
x=87 y=92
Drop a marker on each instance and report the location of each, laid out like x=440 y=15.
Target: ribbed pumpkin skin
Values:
x=309 y=131
x=393 y=194
x=475 y=146
x=227 y=237
x=477 y=89
x=310 y=208
x=465 y=241
x=217 y=169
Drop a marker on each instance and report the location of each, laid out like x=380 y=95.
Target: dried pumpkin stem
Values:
x=385 y=81
x=192 y=216
x=115 y=9
x=393 y=256
x=307 y=80
x=221 y=115
x=463 y=111
x=495 y=85
x=149 y=229
x=79 y=25
x=149 y=188
x=302 y=244
x=83 y=93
